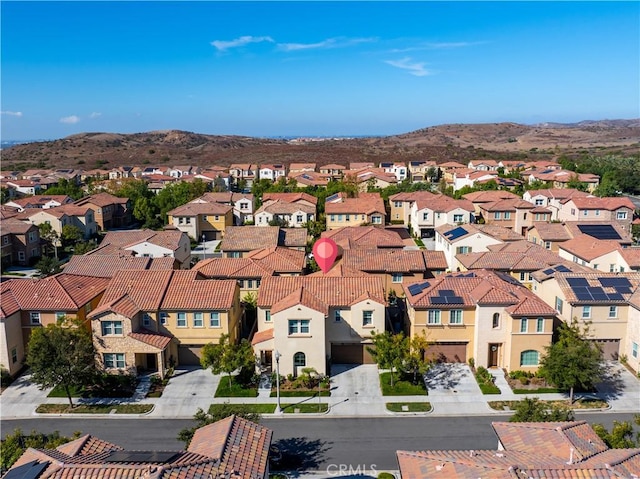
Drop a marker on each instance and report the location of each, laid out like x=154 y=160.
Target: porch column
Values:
x=160 y=362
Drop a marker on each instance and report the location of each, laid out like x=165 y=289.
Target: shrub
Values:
x=386 y=475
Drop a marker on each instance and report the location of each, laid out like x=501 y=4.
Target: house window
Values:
x=455 y=316
x=507 y=215
x=495 y=323
x=634 y=350
x=433 y=316
x=547 y=244
x=523 y=276
x=523 y=325
x=529 y=358
x=249 y=284
x=333 y=217
x=298 y=326
x=267 y=316
x=621 y=215
x=180 y=220
x=464 y=249
x=214 y=319
x=586 y=312
x=114 y=360
x=20 y=255
x=397 y=204
x=234 y=254
x=339 y=217
x=111 y=328
x=425 y=216
x=146 y=319
x=299 y=360
x=14 y=355
x=573 y=211
x=540 y=325
x=182 y=319
x=216 y=217
x=367 y=318
x=396 y=277
x=612 y=268
x=188 y=220
x=558 y=305
x=585 y=213
x=458 y=218
x=497 y=215
x=539 y=202
x=347 y=217
x=243 y=206
x=60 y=315
x=613 y=312
x=198 y=320
x=597 y=212
x=376 y=220
x=32 y=236
x=163 y=317
x=337 y=315
x=299 y=218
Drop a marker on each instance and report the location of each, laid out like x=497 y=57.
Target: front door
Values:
x=151 y=362
x=267 y=361
x=493 y=355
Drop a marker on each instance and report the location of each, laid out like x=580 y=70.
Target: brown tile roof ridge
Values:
x=301 y=296
x=588 y=248
x=87 y=445
x=508 y=204
x=152 y=338
x=262 y=336
x=101 y=199
x=290 y=197
x=285 y=207
x=200 y=209
x=490 y=196
x=551 y=231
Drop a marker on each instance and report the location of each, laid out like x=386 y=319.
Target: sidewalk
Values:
x=355 y=392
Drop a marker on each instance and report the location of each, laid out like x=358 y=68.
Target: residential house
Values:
x=400 y=205
x=243 y=172
x=427 y=214
x=471 y=178
x=395 y=268
x=251 y=270
x=593 y=208
x=121 y=172
x=20 y=242
x=309 y=178
x=156 y=183
x=182 y=171
x=360 y=165
x=399 y=170
x=455 y=240
x=301 y=198
x=272 y=172
x=600 y=230
x=152 y=320
x=366 y=208
x=231 y=447
x=483 y=315
x=147 y=243
x=480 y=198
x=602 y=255
x=364 y=237
x=293 y=215
x=552 y=199
x=101 y=267
x=449 y=168
x=603 y=300
x=548 y=235
x=239 y=241
x=334 y=170
x=24 y=187
x=562 y=178
x=58 y=217
x=514 y=214
x=202 y=221
x=527 y=449
x=423 y=171
x=485 y=165
x=242 y=204
x=34 y=303
x=301 y=167
x=368 y=178
x=110 y=211
x=313 y=321
x=39 y=201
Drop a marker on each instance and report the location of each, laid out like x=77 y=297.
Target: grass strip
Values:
x=94 y=408
x=402 y=386
x=305 y=408
x=411 y=406
x=235 y=390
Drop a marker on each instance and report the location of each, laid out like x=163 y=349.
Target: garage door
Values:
x=189 y=355
x=455 y=352
x=610 y=348
x=350 y=354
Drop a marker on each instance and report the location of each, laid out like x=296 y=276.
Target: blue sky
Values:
x=312 y=68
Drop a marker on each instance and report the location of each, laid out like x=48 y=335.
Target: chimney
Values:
x=570 y=456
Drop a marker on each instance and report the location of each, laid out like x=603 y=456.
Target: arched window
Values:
x=529 y=358
x=496 y=320
x=299 y=360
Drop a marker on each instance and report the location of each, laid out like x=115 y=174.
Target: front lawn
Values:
x=586 y=403
x=306 y=407
x=94 y=408
x=236 y=390
x=486 y=381
x=104 y=386
x=402 y=385
x=261 y=408
x=300 y=393
x=409 y=406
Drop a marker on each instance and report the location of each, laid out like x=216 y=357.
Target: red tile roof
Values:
x=387 y=261
x=364 y=204
x=262 y=336
x=290 y=197
x=249 y=238
x=195 y=209
x=364 y=237
x=152 y=338
x=189 y=290
x=98 y=266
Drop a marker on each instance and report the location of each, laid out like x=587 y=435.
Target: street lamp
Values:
x=277 y=356
x=204 y=251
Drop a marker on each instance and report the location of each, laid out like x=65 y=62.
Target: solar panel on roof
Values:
x=615 y=296
x=548 y=271
x=583 y=296
x=596 y=290
x=454 y=300
x=447 y=292
x=600 y=296
x=455 y=233
x=573 y=282
x=603 y=232
x=615 y=282
x=438 y=300
x=418 y=288
x=562 y=269
x=623 y=290
x=30 y=470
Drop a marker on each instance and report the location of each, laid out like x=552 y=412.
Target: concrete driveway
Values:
x=355 y=390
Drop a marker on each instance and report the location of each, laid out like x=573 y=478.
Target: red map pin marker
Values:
x=325 y=251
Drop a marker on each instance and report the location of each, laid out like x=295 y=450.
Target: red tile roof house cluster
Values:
x=231 y=448
x=367 y=208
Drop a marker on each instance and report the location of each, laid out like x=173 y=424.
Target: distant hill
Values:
x=457 y=142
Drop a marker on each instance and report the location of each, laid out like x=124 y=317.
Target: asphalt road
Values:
x=312 y=444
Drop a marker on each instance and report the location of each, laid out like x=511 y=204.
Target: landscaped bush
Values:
x=485 y=381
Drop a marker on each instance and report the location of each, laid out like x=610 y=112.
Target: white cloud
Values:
x=414 y=68
x=435 y=46
x=12 y=113
x=95 y=114
x=70 y=119
x=222 y=45
x=328 y=43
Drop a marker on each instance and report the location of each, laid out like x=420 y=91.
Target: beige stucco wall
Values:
x=445 y=331
x=531 y=340
x=10 y=338
x=486 y=335
x=333 y=219
x=633 y=336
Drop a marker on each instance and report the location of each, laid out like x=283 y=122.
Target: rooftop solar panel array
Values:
x=418 y=288
x=455 y=233
x=585 y=292
x=601 y=232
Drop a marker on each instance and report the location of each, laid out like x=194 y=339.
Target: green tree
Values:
x=65 y=187
x=4 y=195
x=71 y=234
x=572 y=361
x=85 y=246
x=47 y=266
x=216 y=413
x=414 y=362
x=534 y=410
x=608 y=186
x=228 y=357
x=622 y=434
x=47 y=233
x=62 y=355
x=575 y=183
x=389 y=351
x=15 y=443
